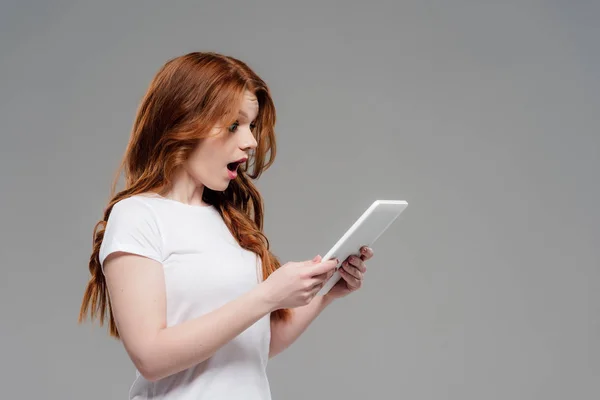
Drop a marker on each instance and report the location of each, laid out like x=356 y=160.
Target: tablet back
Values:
x=364 y=232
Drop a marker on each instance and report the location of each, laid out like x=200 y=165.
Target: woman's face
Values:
x=214 y=162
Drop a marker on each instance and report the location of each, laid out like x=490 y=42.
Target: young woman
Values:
x=180 y=262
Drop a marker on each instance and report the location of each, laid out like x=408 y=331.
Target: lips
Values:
x=232 y=166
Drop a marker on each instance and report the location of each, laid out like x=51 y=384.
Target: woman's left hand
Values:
x=352 y=272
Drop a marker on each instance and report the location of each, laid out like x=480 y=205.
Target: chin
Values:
x=219 y=187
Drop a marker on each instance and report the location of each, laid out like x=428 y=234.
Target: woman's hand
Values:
x=352 y=272
x=295 y=284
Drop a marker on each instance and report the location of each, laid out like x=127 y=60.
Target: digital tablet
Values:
x=364 y=232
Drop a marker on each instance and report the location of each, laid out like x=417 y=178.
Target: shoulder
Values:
x=134 y=214
x=132 y=226
x=136 y=207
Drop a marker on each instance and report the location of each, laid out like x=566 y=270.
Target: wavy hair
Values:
x=187 y=97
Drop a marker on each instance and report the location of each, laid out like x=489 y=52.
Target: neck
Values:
x=185 y=190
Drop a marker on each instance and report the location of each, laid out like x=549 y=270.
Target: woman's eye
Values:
x=236 y=124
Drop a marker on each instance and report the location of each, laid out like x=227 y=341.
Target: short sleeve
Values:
x=132 y=227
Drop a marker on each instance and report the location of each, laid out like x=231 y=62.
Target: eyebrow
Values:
x=243 y=113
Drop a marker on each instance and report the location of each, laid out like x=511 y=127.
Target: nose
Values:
x=248 y=141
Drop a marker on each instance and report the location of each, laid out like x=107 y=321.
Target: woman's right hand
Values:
x=295 y=284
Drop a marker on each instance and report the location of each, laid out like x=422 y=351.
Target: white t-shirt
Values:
x=204 y=268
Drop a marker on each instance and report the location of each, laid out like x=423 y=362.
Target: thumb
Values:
x=325 y=266
x=316 y=259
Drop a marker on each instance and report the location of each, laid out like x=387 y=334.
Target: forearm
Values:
x=283 y=334
x=182 y=346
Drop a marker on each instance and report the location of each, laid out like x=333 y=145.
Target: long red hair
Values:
x=187 y=97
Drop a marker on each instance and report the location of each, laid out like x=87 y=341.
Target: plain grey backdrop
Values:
x=482 y=115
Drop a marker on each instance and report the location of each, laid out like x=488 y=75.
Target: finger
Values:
x=358 y=263
x=366 y=253
x=317 y=284
x=325 y=276
x=351 y=281
x=308 y=263
x=315 y=288
x=355 y=272
x=324 y=267
x=315 y=291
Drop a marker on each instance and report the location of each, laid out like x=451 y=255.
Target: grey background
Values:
x=482 y=115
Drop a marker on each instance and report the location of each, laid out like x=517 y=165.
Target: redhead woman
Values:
x=180 y=265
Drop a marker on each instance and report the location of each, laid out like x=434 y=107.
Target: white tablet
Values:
x=364 y=232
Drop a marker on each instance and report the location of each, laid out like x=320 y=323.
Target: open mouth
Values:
x=232 y=166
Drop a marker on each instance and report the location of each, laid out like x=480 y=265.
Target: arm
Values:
x=283 y=334
x=137 y=291
x=131 y=255
x=136 y=287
